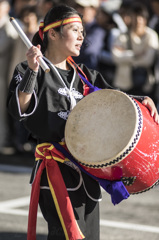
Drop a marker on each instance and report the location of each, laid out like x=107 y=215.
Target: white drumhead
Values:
x=101 y=127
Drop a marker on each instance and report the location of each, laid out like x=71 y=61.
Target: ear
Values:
x=52 y=34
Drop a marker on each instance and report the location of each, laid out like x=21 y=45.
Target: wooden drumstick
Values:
x=28 y=43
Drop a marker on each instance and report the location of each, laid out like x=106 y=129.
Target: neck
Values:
x=57 y=61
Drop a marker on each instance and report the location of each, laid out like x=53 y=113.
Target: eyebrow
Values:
x=74 y=24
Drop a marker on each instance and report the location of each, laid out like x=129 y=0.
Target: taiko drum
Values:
x=113 y=136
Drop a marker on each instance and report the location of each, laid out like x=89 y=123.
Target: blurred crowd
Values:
x=121 y=42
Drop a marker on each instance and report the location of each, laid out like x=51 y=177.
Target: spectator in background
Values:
x=8 y=38
x=43 y=6
x=135 y=53
x=154 y=24
x=94 y=39
x=144 y=2
x=105 y=14
x=28 y=18
x=154 y=21
x=18 y=5
x=125 y=13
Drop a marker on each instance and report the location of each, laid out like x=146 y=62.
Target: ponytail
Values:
x=37 y=40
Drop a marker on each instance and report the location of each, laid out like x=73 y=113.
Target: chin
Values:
x=75 y=54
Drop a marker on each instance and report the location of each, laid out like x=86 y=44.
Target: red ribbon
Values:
x=50 y=156
x=85 y=86
x=41 y=27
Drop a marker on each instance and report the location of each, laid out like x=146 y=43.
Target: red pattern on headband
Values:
x=65 y=21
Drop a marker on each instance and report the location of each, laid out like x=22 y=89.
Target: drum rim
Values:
x=126 y=151
x=147 y=189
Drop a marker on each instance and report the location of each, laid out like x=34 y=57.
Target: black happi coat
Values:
x=50 y=104
x=46 y=116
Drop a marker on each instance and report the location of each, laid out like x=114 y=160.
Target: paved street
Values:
x=134 y=219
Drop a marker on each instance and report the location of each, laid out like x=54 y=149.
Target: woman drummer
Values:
x=68 y=198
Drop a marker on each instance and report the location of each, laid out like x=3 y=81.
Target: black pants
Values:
x=86 y=213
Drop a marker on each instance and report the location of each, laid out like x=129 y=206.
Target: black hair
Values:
x=139 y=9
x=28 y=9
x=52 y=1
x=125 y=8
x=56 y=13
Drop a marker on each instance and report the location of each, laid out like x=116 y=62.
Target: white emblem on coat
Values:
x=75 y=94
x=64 y=115
x=72 y=95
x=18 y=78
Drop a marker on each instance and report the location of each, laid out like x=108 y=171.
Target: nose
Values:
x=140 y=19
x=80 y=35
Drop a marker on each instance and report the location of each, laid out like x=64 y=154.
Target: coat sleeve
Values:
x=21 y=79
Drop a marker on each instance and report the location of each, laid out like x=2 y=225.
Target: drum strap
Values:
x=91 y=87
x=116 y=189
x=88 y=87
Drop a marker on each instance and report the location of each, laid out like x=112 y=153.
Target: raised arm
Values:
x=25 y=90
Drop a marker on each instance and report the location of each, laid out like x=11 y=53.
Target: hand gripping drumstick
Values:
x=28 y=43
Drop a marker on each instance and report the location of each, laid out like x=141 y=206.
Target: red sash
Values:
x=50 y=155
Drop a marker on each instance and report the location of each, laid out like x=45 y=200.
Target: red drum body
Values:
x=114 y=137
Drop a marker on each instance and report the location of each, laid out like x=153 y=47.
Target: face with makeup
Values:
x=60 y=38
x=69 y=41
